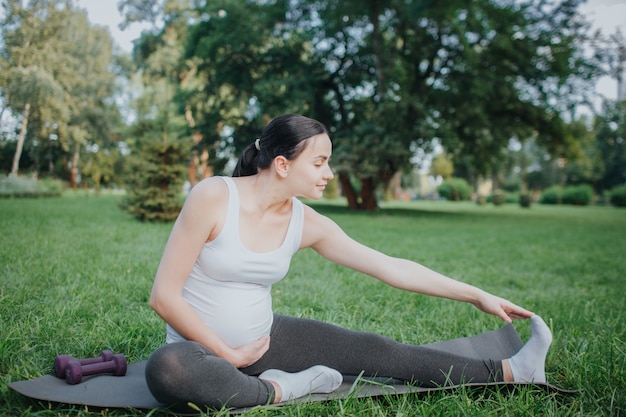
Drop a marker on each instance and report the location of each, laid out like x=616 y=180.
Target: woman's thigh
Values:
x=299 y=343
x=184 y=372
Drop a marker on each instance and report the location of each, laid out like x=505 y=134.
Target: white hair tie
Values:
x=257 y=144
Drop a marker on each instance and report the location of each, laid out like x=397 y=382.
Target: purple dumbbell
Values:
x=61 y=361
x=74 y=371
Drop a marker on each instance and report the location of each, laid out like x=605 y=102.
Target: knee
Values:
x=187 y=372
x=165 y=373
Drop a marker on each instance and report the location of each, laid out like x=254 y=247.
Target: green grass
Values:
x=76 y=272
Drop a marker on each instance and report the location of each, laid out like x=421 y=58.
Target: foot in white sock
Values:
x=317 y=379
x=528 y=365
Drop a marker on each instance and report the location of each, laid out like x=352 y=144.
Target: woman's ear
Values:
x=281 y=165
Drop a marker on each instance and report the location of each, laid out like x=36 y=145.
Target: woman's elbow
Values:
x=152 y=302
x=157 y=300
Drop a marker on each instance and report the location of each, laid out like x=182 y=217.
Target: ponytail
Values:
x=247 y=164
x=286 y=136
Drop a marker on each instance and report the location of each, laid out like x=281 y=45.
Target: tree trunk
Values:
x=20 y=141
x=348 y=191
x=366 y=200
x=368 y=195
x=192 y=170
x=74 y=169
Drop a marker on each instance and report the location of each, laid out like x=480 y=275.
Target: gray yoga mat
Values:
x=131 y=390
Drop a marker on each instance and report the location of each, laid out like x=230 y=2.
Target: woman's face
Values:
x=310 y=171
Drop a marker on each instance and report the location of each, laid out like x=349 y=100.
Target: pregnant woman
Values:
x=235 y=237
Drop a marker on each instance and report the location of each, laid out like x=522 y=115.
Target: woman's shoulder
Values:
x=210 y=191
x=213 y=186
x=317 y=227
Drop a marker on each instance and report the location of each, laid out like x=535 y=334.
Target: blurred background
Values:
x=490 y=101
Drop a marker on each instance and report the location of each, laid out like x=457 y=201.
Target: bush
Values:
x=617 y=196
x=511 y=198
x=16 y=186
x=154 y=189
x=578 y=195
x=455 y=189
x=525 y=200
x=551 y=195
x=498 y=198
x=512 y=185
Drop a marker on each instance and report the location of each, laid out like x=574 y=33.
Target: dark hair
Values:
x=285 y=136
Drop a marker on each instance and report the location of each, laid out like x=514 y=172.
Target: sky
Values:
x=606 y=15
x=105 y=13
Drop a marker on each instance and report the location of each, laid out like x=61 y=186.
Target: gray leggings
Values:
x=184 y=372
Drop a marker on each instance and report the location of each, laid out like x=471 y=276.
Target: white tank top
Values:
x=230 y=285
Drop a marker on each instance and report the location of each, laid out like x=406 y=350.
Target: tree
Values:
x=90 y=85
x=169 y=78
x=473 y=75
x=516 y=69
x=100 y=166
x=58 y=80
x=158 y=137
x=611 y=145
x=31 y=40
x=442 y=166
x=388 y=77
x=154 y=183
x=235 y=83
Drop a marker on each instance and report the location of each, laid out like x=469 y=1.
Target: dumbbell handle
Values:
x=61 y=361
x=75 y=371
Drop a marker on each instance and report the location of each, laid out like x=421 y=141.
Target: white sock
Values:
x=316 y=379
x=528 y=365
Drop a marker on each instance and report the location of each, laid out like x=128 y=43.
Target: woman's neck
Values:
x=263 y=193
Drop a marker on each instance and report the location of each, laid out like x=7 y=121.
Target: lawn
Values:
x=76 y=273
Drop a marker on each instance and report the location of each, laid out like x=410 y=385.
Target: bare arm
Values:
x=195 y=225
x=327 y=238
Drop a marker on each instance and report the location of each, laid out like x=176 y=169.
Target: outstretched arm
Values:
x=330 y=241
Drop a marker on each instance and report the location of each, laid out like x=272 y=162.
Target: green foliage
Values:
x=384 y=84
x=595 y=155
x=577 y=195
x=332 y=189
x=617 y=196
x=610 y=143
x=525 y=200
x=442 y=166
x=154 y=183
x=552 y=195
x=498 y=197
x=512 y=185
x=56 y=75
x=538 y=180
x=455 y=189
x=17 y=186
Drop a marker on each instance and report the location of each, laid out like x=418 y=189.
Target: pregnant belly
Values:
x=238 y=317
